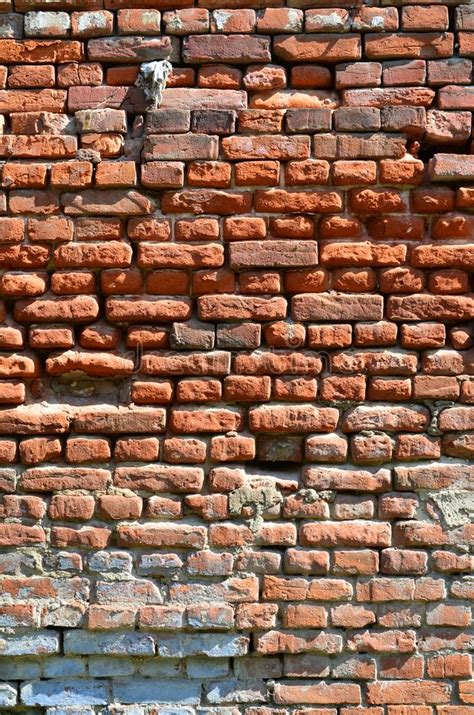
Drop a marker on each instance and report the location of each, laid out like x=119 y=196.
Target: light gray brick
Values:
x=65 y=692
x=214 y=645
x=47 y=24
x=63 y=615
x=218 y=616
x=100 y=667
x=161 y=667
x=135 y=690
x=14 y=562
x=159 y=564
x=205 y=668
x=83 y=643
x=63 y=667
x=38 y=643
x=236 y=691
x=231 y=590
x=19 y=669
x=114 y=561
x=8 y=695
x=139 y=591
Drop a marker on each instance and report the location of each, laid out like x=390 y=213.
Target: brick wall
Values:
x=235 y=358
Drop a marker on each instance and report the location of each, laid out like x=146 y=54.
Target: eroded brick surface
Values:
x=236 y=421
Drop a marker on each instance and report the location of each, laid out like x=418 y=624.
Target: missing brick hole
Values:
x=279 y=455
x=427 y=151
x=78 y=385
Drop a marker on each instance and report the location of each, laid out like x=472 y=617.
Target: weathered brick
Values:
x=148 y=253
x=327 y=307
x=263 y=147
x=302 y=418
x=238 y=49
x=313 y=48
x=319 y=694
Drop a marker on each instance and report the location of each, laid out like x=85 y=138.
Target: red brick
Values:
x=312 y=48
x=85 y=449
x=20 y=535
x=424 y=45
x=161 y=535
x=85 y=537
x=219 y=77
x=119 y=507
x=74 y=74
x=110 y=617
x=355 y=533
x=71 y=508
x=319 y=694
x=21 y=176
x=200 y=201
x=233 y=48
x=407 y=691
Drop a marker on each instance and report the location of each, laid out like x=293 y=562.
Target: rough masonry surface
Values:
x=236 y=419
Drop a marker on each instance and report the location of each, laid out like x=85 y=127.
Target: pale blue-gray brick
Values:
x=65 y=692
x=100 y=667
x=161 y=667
x=103 y=561
x=19 y=669
x=214 y=645
x=8 y=695
x=135 y=690
x=236 y=691
x=83 y=643
x=206 y=668
x=38 y=643
x=139 y=591
x=63 y=667
x=159 y=564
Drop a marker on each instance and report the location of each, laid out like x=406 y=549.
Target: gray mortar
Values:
x=259 y=498
x=309 y=496
x=456 y=506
